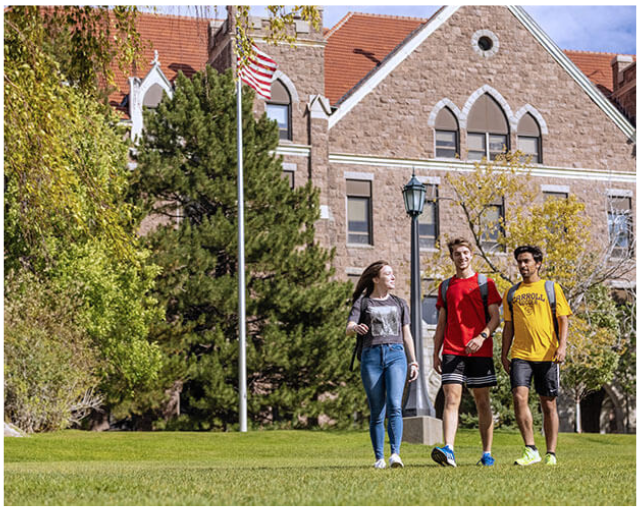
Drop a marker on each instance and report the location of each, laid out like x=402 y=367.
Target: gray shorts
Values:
x=546 y=374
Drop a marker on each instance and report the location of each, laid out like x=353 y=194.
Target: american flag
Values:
x=257 y=71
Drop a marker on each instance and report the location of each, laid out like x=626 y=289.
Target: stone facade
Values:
x=384 y=128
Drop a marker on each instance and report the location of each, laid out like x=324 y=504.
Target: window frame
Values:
x=487 y=153
x=613 y=212
x=431 y=190
x=486 y=244
x=284 y=133
x=369 y=214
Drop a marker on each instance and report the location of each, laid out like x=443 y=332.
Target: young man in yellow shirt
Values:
x=538 y=348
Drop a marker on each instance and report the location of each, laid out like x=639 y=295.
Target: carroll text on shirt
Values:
x=529 y=299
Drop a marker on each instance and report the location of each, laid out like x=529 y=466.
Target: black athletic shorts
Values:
x=473 y=371
x=546 y=374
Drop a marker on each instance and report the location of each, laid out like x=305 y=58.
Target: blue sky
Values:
x=589 y=28
x=603 y=28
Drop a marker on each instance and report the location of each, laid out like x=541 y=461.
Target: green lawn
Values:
x=305 y=468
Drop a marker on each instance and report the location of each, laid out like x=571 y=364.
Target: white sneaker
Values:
x=395 y=461
x=380 y=464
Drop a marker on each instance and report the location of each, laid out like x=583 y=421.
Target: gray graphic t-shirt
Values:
x=385 y=320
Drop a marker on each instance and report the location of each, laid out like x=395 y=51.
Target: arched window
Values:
x=153 y=96
x=446 y=134
x=487 y=130
x=279 y=108
x=529 y=139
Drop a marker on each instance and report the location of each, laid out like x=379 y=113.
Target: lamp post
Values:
x=418 y=403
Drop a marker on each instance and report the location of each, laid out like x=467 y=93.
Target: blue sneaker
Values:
x=486 y=460
x=444 y=456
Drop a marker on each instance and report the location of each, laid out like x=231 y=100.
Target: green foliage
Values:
x=65 y=166
x=306 y=468
x=297 y=352
x=66 y=218
x=281 y=24
x=115 y=308
x=49 y=359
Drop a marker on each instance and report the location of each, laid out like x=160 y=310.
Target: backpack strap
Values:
x=509 y=298
x=482 y=281
x=444 y=291
x=549 y=287
x=359 y=338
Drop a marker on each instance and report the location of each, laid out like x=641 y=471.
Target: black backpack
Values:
x=358 y=346
x=549 y=287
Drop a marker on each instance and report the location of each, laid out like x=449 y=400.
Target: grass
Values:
x=305 y=468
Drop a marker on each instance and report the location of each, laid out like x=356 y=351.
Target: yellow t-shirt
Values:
x=534 y=334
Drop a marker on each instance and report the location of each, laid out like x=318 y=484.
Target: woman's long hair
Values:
x=366 y=280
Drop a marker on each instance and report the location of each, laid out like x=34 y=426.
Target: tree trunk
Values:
x=578 y=416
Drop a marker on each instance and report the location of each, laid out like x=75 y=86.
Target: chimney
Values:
x=618 y=64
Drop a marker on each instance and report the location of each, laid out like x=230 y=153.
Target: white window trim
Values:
x=555 y=188
x=287 y=82
x=355 y=175
x=137 y=90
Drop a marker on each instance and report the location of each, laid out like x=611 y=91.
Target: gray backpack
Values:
x=482 y=281
x=549 y=287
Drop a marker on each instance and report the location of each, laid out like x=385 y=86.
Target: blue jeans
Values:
x=383 y=372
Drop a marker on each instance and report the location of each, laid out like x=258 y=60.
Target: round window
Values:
x=485 y=43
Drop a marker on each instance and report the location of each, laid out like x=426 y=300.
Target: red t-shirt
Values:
x=466 y=316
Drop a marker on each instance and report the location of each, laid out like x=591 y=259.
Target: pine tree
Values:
x=297 y=352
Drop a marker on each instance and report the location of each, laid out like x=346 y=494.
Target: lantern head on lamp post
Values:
x=414 y=194
x=417 y=403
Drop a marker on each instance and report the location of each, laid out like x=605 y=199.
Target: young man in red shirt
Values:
x=465 y=330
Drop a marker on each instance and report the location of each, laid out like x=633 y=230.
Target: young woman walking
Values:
x=383 y=322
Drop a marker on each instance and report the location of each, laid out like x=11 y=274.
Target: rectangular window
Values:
x=529 y=146
x=353 y=278
x=486 y=145
x=429 y=219
x=555 y=195
x=359 y=194
x=446 y=144
x=491 y=222
x=280 y=113
x=476 y=146
x=289 y=176
x=497 y=144
x=620 y=223
x=429 y=314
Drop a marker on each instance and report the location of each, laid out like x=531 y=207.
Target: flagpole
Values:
x=241 y=267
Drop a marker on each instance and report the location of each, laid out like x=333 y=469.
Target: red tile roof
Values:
x=355 y=46
x=181 y=42
x=359 y=43
x=597 y=66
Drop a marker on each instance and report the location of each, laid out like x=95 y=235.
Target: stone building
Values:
x=364 y=104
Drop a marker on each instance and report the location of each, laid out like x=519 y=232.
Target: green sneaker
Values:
x=529 y=457
x=550 y=460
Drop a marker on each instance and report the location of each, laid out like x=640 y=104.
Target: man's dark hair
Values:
x=537 y=253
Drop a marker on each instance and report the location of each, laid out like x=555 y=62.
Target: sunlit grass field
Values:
x=305 y=468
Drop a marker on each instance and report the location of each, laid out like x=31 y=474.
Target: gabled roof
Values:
x=359 y=43
x=181 y=42
x=360 y=87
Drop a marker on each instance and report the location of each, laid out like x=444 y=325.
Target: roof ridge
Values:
x=408 y=37
x=339 y=24
x=389 y=16
x=597 y=52
x=177 y=16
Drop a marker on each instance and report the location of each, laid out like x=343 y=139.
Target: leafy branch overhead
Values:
x=281 y=25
